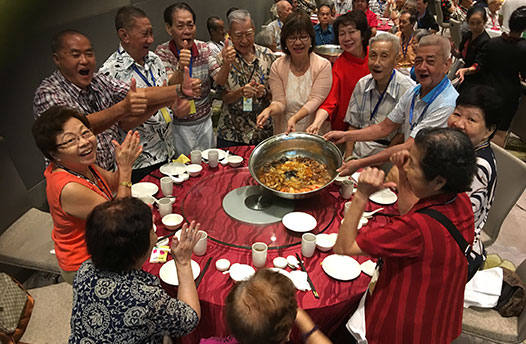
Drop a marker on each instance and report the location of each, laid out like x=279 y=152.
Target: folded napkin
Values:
x=484 y=288
x=299 y=278
x=182 y=159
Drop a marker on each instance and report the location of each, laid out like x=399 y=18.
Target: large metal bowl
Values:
x=328 y=50
x=292 y=145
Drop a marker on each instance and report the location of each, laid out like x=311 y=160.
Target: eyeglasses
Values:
x=74 y=141
x=248 y=34
x=303 y=38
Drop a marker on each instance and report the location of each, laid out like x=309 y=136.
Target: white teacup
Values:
x=167 y=186
x=259 y=254
x=202 y=243
x=308 y=244
x=165 y=206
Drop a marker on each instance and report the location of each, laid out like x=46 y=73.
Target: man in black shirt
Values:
x=425 y=20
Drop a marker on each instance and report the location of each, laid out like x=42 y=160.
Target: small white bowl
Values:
x=185 y=177
x=234 y=160
x=178 y=180
x=194 y=169
x=280 y=262
x=325 y=242
x=172 y=221
x=222 y=264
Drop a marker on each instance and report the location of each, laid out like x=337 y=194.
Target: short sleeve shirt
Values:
x=234 y=123
x=125 y=307
x=156 y=133
x=102 y=93
x=365 y=98
x=204 y=67
x=436 y=112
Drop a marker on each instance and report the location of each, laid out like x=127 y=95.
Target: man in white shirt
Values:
x=376 y=95
x=284 y=8
x=429 y=104
x=505 y=13
x=216 y=30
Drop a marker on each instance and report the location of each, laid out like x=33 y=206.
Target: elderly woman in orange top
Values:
x=299 y=81
x=75 y=185
x=406 y=34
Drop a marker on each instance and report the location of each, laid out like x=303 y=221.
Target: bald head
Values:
x=284 y=8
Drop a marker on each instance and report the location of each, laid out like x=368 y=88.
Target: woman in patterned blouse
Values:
x=114 y=301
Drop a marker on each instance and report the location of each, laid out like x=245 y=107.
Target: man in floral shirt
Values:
x=246 y=91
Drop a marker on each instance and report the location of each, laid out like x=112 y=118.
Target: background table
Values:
x=200 y=198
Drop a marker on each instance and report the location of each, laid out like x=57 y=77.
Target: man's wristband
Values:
x=180 y=93
x=308 y=334
x=127 y=184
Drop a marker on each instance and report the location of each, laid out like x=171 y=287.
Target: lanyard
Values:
x=406 y=46
x=256 y=64
x=373 y=113
x=143 y=77
x=441 y=87
x=105 y=190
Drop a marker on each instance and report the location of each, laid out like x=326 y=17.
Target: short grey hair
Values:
x=437 y=41
x=419 y=33
x=239 y=16
x=264 y=38
x=387 y=37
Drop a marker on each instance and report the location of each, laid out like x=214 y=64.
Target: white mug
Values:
x=165 y=206
x=195 y=157
x=259 y=254
x=308 y=244
x=213 y=158
x=347 y=189
x=202 y=243
x=167 y=186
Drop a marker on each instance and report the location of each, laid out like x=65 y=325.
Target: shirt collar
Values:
x=437 y=88
x=433 y=200
x=371 y=85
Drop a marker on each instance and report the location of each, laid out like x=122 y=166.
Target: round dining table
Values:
x=200 y=199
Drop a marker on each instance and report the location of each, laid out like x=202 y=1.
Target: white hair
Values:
x=239 y=16
x=387 y=37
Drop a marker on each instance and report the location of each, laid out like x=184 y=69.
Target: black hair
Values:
x=447 y=153
x=118 y=233
x=57 y=42
x=230 y=10
x=169 y=11
x=125 y=17
x=477 y=9
x=211 y=23
x=325 y=4
x=517 y=21
x=51 y=123
x=359 y=20
x=486 y=99
x=412 y=15
x=297 y=22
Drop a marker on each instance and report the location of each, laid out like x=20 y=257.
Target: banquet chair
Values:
x=485 y=325
x=511 y=182
x=454 y=30
x=440 y=17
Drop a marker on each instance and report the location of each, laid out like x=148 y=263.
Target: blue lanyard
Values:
x=373 y=113
x=441 y=87
x=143 y=77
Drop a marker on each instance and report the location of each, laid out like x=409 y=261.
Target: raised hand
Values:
x=336 y=136
x=128 y=151
x=372 y=180
x=228 y=53
x=400 y=158
x=182 y=249
x=135 y=101
x=191 y=87
x=185 y=55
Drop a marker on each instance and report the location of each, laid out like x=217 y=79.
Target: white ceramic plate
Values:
x=173 y=168
x=343 y=268
x=368 y=267
x=298 y=221
x=144 y=189
x=384 y=197
x=221 y=153
x=241 y=272
x=168 y=272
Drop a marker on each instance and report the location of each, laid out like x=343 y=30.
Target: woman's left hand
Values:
x=181 y=250
x=128 y=151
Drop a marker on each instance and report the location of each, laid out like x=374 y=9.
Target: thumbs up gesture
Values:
x=191 y=87
x=185 y=55
x=135 y=101
x=228 y=53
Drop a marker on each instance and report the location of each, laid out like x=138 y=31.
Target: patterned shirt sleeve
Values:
x=46 y=97
x=118 y=89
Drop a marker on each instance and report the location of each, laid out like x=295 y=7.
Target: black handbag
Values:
x=475 y=260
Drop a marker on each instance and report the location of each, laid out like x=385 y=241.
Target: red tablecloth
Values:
x=337 y=299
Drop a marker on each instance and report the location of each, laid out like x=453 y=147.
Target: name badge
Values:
x=166 y=115
x=247 y=104
x=374 y=279
x=192 y=107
